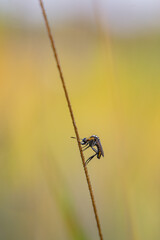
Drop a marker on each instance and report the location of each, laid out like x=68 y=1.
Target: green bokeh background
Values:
x=113 y=84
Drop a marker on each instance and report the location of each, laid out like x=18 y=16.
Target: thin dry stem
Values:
x=73 y=119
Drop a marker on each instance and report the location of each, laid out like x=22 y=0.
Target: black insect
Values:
x=92 y=142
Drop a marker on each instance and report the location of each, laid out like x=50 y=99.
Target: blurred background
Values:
x=110 y=54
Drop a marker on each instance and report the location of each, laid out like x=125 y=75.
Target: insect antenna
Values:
x=75 y=138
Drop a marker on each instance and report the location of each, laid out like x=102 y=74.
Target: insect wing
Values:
x=100 y=146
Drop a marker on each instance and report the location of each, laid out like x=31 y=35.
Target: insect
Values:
x=93 y=141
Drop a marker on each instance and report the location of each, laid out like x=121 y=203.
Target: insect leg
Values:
x=85 y=148
x=95 y=150
x=89 y=159
x=84 y=145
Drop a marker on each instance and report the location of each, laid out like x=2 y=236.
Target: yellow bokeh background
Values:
x=113 y=84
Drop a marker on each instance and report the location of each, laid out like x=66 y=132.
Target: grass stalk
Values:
x=73 y=119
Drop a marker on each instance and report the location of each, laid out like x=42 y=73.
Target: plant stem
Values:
x=73 y=119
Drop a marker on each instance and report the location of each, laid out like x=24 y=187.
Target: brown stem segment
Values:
x=73 y=119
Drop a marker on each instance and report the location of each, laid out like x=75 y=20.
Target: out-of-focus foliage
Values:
x=115 y=93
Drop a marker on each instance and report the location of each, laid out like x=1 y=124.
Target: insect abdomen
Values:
x=99 y=155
